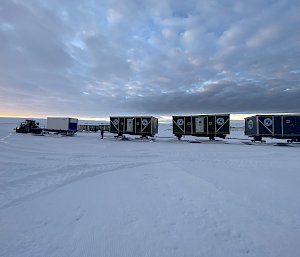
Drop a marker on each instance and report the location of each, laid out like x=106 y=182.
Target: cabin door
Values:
x=130 y=125
x=199 y=125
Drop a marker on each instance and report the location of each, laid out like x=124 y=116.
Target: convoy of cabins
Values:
x=217 y=125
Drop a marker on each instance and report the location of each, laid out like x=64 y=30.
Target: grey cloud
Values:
x=95 y=58
x=227 y=96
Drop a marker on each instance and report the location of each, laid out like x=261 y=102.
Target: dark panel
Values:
x=178 y=125
x=146 y=126
x=265 y=125
x=138 y=125
x=154 y=126
x=114 y=125
x=251 y=126
x=291 y=125
x=277 y=125
x=206 y=128
x=211 y=125
x=193 y=124
x=122 y=124
x=222 y=124
x=73 y=126
x=188 y=124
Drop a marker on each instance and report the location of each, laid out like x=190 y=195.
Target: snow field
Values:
x=83 y=196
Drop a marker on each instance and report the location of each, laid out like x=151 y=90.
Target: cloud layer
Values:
x=99 y=58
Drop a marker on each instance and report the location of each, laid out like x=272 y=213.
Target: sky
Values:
x=99 y=58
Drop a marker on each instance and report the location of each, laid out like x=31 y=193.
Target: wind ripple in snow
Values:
x=18 y=190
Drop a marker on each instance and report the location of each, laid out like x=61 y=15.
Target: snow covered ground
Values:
x=83 y=196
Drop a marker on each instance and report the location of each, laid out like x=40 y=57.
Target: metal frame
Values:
x=136 y=119
x=272 y=134
x=206 y=133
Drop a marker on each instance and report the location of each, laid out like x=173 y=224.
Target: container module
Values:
x=134 y=125
x=93 y=127
x=62 y=125
x=285 y=126
x=216 y=125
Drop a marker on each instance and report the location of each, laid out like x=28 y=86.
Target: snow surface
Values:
x=83 y=196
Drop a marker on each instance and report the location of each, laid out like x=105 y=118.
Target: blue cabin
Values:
x=273 y=126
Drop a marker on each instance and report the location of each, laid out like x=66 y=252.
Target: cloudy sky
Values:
x=98 y=58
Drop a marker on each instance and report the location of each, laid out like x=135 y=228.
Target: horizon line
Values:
x=234 y=116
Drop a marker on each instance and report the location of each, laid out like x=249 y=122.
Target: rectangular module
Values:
x=285 y=126
x=60 y=124
x=216 y=125
x=134 y=125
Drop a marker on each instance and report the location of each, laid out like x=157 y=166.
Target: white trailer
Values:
x=62 y=125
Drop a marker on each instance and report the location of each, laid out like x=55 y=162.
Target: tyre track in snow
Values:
x=2 y=140
x=15 y=192
x=30 y=168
